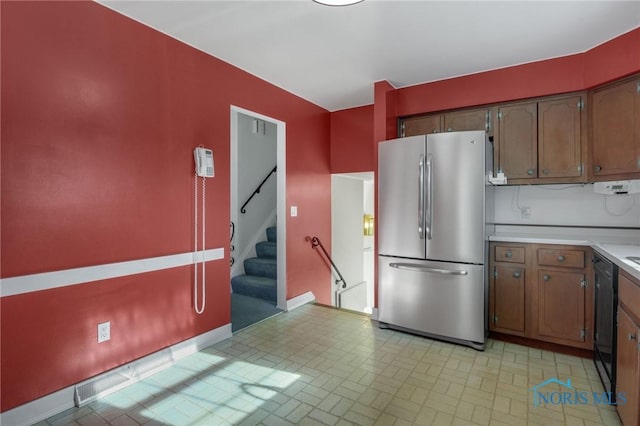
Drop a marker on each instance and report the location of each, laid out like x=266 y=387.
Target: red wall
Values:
x=100 y=116
x=351 y=140
x=613 y=59
x=609 y=61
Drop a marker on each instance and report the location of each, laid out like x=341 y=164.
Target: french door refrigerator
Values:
x=434 y=216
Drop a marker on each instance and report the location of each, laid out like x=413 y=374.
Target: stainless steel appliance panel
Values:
x=455 y=207
x=401 y=197
x=605 y=313
x=437 y=298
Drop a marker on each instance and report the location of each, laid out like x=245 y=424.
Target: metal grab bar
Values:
x=315 y=242
x=257 y=191
x=419 y=268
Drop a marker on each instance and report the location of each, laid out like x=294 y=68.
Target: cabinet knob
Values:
x=530 y=172
x=560 y=258
x=450 y=129
x=631 y=336
x=546 y=277
x=516 y=274
x=508 y=254
x=434 y=131
x=545 y=171
x=597 y=168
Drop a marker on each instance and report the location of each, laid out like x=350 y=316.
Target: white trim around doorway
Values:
x=281 y=181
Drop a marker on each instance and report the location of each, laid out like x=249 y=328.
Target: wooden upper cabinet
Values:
x=560 y=138
x=459 y=121
x=543 y=141
x=517 y=141
x=421 y=125
x=616 y=131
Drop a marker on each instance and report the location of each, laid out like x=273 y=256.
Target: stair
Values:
x=260 y=279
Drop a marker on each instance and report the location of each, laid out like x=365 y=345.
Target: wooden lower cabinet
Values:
x=507 y=288
x=628 y=350
x=508 y=294
x=561 y=307
x=542 y=292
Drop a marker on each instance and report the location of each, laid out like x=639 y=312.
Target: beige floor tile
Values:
x=317 y=366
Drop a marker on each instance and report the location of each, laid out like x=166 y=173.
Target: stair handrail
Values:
x=315 y=242
x=257 y=190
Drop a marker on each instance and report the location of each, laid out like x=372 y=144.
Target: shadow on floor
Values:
x=246 y=311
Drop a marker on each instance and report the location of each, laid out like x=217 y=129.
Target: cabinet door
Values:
x=518 y=153
x=627 y=374
x=561 y=307
x=560 y=138
x=477 y=119
x=508 y=299
x=616 y=130
x=421 y=125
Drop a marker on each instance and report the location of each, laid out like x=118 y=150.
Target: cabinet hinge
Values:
x=580 y=104
x=638 y=87
x=595 y=336
x=580 y=168
x=583 y=334
x=487 y=121
x=584 y=282
x=495 y=272
x=495 y=319
x=402 y=129
x=499 y=115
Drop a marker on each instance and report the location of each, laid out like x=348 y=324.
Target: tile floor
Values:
x=321 y=366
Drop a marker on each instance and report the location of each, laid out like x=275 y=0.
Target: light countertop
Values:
x=619 y=253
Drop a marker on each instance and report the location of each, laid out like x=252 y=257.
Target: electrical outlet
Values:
x=104 y=331
x=525 y=213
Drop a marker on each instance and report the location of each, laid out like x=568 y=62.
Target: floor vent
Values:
x=116 y=379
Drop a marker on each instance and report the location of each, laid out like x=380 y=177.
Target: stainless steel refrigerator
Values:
x=435 y=209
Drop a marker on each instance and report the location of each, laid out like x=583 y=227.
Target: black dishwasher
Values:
x=605 y=311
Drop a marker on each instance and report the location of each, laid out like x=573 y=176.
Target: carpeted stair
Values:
x=260 y=272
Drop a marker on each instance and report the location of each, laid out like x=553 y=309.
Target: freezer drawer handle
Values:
x=419 y=268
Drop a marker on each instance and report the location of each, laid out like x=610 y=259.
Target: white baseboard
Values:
x=57 y=402
x=298 y=301
x=374 y=314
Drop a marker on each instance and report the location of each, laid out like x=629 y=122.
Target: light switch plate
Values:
x=104 y=331
x=294 y=211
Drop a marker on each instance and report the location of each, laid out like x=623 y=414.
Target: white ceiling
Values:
x=331 y=56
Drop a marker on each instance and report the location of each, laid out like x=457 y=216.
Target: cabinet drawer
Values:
x=629 y=295
x=565 y=258
x=509 y=254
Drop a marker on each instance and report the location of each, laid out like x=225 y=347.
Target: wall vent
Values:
x=121 y=377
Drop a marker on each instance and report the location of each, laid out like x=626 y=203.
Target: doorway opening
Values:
x=352 y=240
x=258 y=250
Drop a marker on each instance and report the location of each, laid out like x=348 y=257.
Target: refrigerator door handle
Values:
x=421 y=231
x=420 y=268
x=429 y=196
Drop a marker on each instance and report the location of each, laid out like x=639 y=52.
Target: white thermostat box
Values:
x=617 y=187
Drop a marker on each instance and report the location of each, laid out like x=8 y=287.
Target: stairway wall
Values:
x=256 y=157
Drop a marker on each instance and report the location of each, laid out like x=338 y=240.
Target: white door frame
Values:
x=281 y=202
